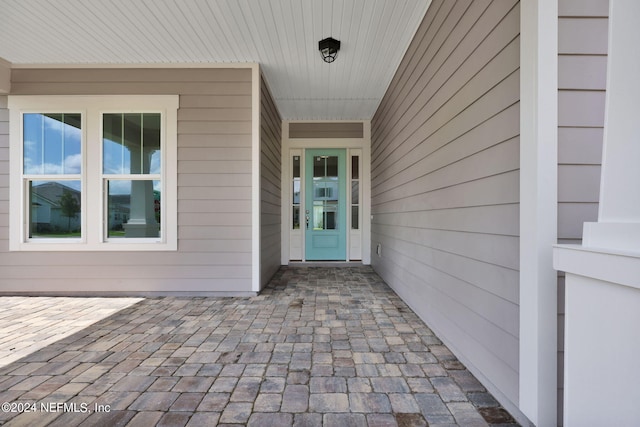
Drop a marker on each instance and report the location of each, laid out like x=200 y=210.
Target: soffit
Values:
x=281 y=35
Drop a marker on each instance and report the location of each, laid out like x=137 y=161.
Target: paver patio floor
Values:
x=28 y=324
x=319 y=346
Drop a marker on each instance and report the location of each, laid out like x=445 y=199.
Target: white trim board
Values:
x=363 y=143
x=251 y=65
x=538 y=210
x=255 y=178
x=92 y=204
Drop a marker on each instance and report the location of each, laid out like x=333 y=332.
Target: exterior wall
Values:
x=270 y=172
x=214 y=189
x=582 y=72
x=445 y=184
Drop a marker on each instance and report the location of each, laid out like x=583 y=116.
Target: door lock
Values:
x=307 y=218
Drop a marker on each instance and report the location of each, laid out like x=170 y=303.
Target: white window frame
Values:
x=354 y=235
x=93 y=203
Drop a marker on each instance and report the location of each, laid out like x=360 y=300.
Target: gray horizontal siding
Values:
x=582 y=73
x=445 y=184
x=214 y=188
x=270 y=192
x=582 y=63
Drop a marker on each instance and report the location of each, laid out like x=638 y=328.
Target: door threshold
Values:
x=325 y=263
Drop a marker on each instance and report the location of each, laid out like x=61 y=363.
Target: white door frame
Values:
x=297 y=146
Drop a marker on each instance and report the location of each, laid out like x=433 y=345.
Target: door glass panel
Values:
x=332 y=166
x=326 y=217
x=330 y=216
x=318 y=166
x=325 y=192
x=318 y=216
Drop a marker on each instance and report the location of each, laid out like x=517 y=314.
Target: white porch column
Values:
x=142 y=216
x=602 y=342
x=618 y=223
x=538 y=210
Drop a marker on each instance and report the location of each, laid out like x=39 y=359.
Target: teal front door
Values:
x=325 y=205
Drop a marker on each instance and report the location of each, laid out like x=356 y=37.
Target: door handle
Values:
x=307 y=219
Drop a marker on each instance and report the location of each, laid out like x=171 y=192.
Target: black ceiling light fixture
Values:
x=329 y=48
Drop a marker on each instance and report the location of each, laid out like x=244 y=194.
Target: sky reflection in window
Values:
x=52 y=144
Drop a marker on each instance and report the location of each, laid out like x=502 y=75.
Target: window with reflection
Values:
x=95 y=173
x=52 y=168
x=132 y=169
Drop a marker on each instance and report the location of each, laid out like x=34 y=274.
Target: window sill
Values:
x=100 y=247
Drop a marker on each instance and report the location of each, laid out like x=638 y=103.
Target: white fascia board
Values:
x=239 y=65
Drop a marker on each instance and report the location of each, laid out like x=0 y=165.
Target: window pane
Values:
x=296 y=190
x=355 y=172
x=354 y=217
x=319 y=166
x=318 y=217
x=325 y=190
x=325 y=215
x=55 y=209
x=131 y=143
x=331 y=210
x=296 y=217
x=116 y=159
x=296 y=193
x=332 y=166
x=52 y=143
x=296 y=166
x=134 y=208
x=355 y=192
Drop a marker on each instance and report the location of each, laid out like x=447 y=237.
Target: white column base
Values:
x=140 y=229
x=602 y=342
x=624 y=236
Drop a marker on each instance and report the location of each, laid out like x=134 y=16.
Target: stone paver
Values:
x=319 y=346
x=28 y=324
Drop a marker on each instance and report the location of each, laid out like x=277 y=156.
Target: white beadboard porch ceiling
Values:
x=281 y=35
